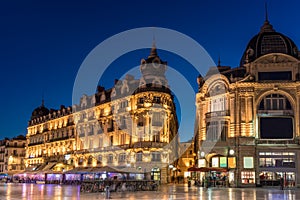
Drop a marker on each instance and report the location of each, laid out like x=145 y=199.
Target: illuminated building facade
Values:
x=131 y=126
x=186 y=160
x=248 y=117
x=12 y=154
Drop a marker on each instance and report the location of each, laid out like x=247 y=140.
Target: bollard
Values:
x=107 y=193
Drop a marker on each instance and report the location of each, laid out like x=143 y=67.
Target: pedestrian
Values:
x=281 y=183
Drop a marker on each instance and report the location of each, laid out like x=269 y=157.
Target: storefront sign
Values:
x=231 y=162
x=215 y=162
x=248 y=162
x=201 y=163
x=223 y=161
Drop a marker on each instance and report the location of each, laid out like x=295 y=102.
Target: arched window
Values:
x=275 y=102
x=275 y=117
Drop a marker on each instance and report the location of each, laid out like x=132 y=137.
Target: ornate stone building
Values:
x=131 y=126
x=248 y=117
x=12 y=154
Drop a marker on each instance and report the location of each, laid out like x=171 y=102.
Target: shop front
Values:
x=277 y=168
x=216 y=170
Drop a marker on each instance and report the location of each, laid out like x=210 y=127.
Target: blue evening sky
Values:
x=43 y=43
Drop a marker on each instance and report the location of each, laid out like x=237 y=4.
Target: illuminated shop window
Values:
x=248 y=177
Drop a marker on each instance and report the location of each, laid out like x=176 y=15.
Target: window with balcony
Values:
x=122 y=122
x=156 y=137
x=110 y=126
x=218 y=104
x=216 y=130
x=157 y=119
x=140 y=120
x=123 y=138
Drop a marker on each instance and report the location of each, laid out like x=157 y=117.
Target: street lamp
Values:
x=202 y=154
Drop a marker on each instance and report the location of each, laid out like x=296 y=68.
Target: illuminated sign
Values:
x=215 y=162
x=201 y=163
x=248 y=162
x=223 y=161
x=231 y=162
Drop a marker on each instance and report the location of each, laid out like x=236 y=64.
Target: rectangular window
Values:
x=283 y=75
x=224 y=132
x=156 y=137
x=268 y=104
x=91 y=144
x=122 y=123
x=110 y=158
x=100 y=128
x=124 y=104
x=122 y=157
x=123 y=139
x=276 y=127
x=139 y=157
x=156 y=119
x=274 y=104
x=111 y=141
x=99 y=159
x=212 y=131
x=155 y=156
x=110 y=127
x=277 y=160
x=100 y=142
x=140 y=120
x=141 y=100
x=156 y=99
x=248 y=177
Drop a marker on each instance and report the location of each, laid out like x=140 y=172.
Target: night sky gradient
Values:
x=43 y=43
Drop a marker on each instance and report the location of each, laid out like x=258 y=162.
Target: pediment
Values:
x=275 y=58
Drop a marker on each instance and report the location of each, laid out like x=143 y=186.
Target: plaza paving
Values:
x=64 y=192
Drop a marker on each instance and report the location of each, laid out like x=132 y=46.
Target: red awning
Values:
x=206 y=169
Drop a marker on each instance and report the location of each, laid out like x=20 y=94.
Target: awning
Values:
x=206 y=169
x=93 y=170
x=104 y=169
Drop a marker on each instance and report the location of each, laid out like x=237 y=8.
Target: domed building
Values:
x=248 y=117
x=40 y=111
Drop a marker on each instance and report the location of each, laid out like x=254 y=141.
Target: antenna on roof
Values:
x=43 y=101
x=153 y=51
x=266 y=12
x=219 y=61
